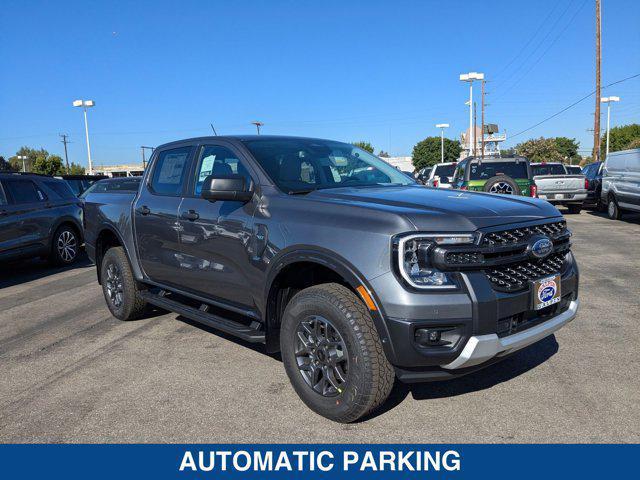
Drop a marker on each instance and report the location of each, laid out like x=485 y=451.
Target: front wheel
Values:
x=332 y=353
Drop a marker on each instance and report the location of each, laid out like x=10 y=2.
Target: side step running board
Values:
x=244 y=332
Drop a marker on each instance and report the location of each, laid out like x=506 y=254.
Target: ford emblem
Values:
x=541 y=247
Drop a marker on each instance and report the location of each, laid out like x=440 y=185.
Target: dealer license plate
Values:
x=546 y=291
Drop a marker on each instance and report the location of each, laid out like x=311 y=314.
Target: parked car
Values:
x=39 y=217
x=114 y=185
x=440 y=175
x=593 y=174
x=423 y=175
x=558 y=187
x=79 y=183
x=507 y=176
x=621 y=182
x=286 y=241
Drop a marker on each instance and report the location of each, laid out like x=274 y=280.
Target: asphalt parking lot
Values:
x=70 y=372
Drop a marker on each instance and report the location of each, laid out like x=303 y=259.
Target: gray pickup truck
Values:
x=321 y=251
x=557 y=186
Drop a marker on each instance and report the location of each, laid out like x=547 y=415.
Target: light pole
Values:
x=258 y=125
x=86 y=104
x=442 y=126
x=470 y=77
x=608 y=101
x=23 y=158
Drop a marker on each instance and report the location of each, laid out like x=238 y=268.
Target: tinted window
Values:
x=24 y=191
x=169 y=171
x=573 y=169
x=61 y=189
x=76 y=186
x=548 y=170
x=490 y=169
x=300 y=164
x=218 y=160
x=445 y=170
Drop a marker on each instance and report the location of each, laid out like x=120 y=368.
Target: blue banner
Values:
x=512 y=462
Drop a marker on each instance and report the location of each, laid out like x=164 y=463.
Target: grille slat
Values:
x=522 y=234
x=516 y=276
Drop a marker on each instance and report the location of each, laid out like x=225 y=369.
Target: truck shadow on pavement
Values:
x=520 y=362
x=16 y=272
x=508 y=369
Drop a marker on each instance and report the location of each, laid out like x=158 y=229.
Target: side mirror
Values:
x=226 y=187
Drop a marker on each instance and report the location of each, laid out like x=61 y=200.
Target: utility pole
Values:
x=66 y=156
x=482 y=124
x=144 y=160
x=258 y=125
x=596 y=119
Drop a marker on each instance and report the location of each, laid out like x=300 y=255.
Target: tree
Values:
x=540 y=150
x=427 y=152
x=383 y=154
x=32 y=155
x=509 y=152
x=363 y=145
x=48 y=165
x=633 y=144
x=76 y=169
x=621 y=138
x=568 y=148
x=5 y=166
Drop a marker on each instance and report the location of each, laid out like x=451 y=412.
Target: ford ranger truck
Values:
x=321 y=251
x=558 y=187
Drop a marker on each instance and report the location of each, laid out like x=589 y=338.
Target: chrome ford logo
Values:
x=541 y=247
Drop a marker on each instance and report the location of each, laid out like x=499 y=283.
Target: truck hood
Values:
x=432 y=209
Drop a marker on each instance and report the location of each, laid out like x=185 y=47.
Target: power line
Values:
x=572 y=105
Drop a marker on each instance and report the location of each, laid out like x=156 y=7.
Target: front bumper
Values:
x=481 y=348
x=491 y=324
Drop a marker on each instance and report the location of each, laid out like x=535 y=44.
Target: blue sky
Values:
x=385 y=72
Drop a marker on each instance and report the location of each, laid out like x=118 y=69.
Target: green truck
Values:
x=507 y=176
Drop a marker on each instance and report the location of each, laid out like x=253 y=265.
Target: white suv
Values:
x=440 y=175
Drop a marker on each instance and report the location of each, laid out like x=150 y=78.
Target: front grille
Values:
x=516 y=276
x=522 y=234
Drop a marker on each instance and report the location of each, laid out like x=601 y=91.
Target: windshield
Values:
x=491 y=169
x=298 y=165
x=547 y=170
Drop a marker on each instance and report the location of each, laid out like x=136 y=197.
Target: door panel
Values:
x=156 y=215
x=215 y=236
x=27 y=217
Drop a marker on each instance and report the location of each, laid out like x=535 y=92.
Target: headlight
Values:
x=414 y=264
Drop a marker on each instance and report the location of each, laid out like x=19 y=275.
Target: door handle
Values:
x=190 y=215
x=144 y=210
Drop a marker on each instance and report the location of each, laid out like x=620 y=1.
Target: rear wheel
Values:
x=119 y=287
x=613 y=211
x=64 y=246
x=332 y=353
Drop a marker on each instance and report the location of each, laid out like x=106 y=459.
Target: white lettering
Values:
x=454 y=464
x=349 y=458
x=321 y=465
x=188 y=462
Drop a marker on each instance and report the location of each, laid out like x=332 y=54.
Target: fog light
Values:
x=437 y=336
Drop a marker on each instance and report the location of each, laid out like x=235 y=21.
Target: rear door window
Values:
x=60 y=189
x=170 y=171
x=24 y=191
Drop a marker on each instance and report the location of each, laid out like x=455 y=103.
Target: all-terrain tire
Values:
x=120 y=289
x=370 y=376
x=502 y=184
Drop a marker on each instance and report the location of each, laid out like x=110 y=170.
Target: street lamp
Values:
x=86 y=104
x=442 y=126
x=258 y=125
x=23 y=158
x=608 y=101
x=470 y=77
